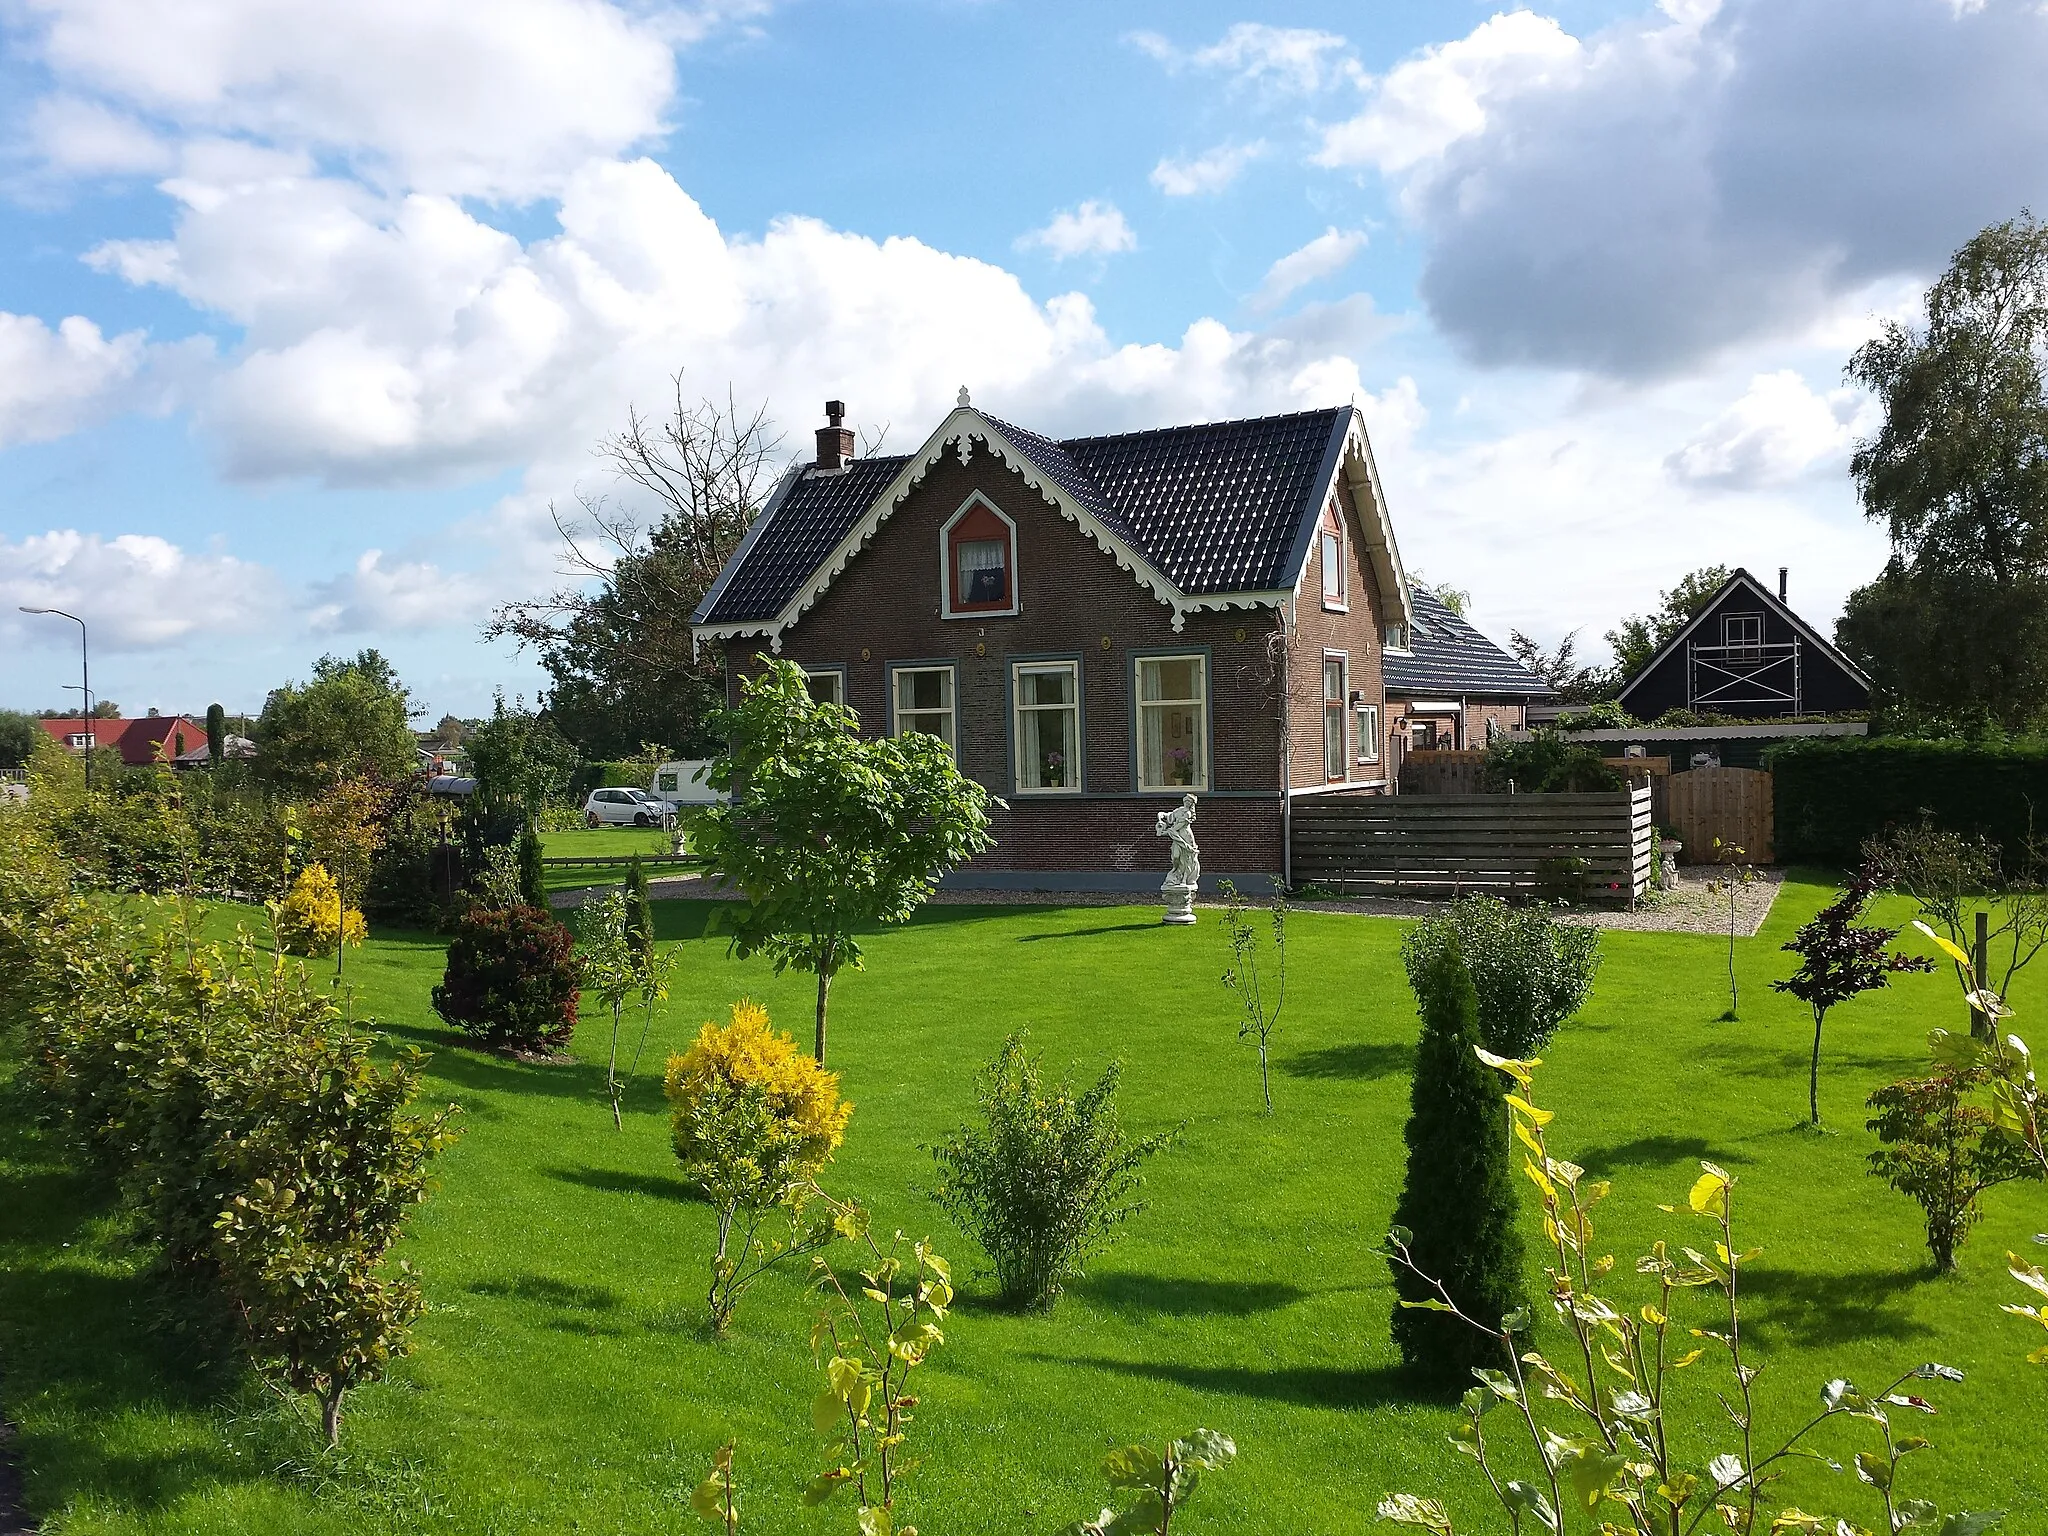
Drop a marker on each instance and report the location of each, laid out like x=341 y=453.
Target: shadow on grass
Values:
x=462 y=1065
x=1652 y=1152
x=94 y=1344
x=1303 y=1386
x=1358 y=1060
x=1177 y=1296
x=547 y=1291
x=1086 y=933
x=614 y=1181
x=1814 y=1307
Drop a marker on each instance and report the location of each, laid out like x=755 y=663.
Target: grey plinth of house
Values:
x=1185 y=874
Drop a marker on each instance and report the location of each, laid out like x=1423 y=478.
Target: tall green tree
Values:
x=1639 y=637
x=1957 y=624
x=519 y=758
x=348 y=721
x=827 y=832
x=616 y=642
x=19 y=734
x=1457 y=1207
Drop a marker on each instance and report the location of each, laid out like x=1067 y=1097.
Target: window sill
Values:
x=1173 y=789
x=1048 y=794
x=1330 y=607
x=1004 y=611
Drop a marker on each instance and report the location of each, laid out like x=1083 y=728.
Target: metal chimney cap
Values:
x=835 y=411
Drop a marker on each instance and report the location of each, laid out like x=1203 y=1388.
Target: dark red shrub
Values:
x=512 y=979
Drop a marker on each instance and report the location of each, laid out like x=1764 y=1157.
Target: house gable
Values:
x=1767 y=661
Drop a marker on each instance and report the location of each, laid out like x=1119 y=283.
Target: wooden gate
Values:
x=1731 y=804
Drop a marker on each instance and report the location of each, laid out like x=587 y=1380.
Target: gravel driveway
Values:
x=1694 y=907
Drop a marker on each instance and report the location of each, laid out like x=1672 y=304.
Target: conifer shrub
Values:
x=753 y=1121
x=312 y=917
x=1459 y=1198
x=1530 y=970
x=639 y=907
x=533 y=888
x=511 y=980
x=1046 y=1179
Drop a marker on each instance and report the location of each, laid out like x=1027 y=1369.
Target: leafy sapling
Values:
x=1840 y=959
x=1734 y=876
x=717 y=1498
x=1259 y=1021
x=869 y=1341
x=1939 y=1146
x=1162 y=1481
x=611 y=969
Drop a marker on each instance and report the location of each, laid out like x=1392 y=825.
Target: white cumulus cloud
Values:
x=1329 y=253
x=1427 y=103
x=55 y=381
x=1211 y=171
x=1095 y=228
x=376 y=596
x=1777 y=431
x=134 y=591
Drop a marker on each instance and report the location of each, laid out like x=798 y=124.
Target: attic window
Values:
x=1330 y=542
x=978 y=557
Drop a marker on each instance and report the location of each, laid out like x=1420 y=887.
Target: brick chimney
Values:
x=835 y=442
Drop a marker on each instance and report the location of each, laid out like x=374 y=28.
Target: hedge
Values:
x=1831 y=793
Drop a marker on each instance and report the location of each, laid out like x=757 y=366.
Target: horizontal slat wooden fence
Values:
x=1732 y=804
x=1596 y=846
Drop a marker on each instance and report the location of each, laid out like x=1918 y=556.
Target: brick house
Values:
x=1454 y=688
x=1095 y=626
x=140 y=742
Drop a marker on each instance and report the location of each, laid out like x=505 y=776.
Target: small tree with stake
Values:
x=826 y=831
x=1259 y=1022
x=1839 y=959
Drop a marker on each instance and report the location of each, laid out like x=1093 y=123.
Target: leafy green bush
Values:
x=1531 y=971
x=1458 y=1201
x=511 y=980
x=1831 y=793
x=1159 y=1481
x=1046 y=1179
x=1941 y=1147
x=1546 y=763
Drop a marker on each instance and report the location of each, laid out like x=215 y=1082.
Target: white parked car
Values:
x=626 y=808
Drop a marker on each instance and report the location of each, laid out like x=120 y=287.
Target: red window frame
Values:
x=979 y=523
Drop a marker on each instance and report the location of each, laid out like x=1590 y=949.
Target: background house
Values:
x=1747 y=654
x=1451 y=687
x=1096 y=626
x=140 y=742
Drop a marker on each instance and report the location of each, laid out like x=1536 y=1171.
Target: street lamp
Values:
x=85 y=680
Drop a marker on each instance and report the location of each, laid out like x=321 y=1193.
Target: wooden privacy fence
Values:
x=1443 y=772
x=1732 y=804
x=1592 y=846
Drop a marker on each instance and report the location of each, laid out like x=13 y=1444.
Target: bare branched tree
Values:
x=615 y=638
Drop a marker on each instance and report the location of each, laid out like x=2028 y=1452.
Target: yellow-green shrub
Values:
x=753 y=1120
x=311 y=914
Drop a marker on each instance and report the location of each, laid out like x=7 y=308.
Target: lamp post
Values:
x=85 y=680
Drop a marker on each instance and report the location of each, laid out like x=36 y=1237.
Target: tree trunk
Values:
x=1813 y=1077
x=340 y=931
x=330 y=1414
x=611 y=1073
x=824 y=988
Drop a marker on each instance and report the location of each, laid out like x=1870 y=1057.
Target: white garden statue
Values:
x=1178 y=826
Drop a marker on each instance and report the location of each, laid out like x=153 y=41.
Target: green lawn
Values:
x=599 y=843
x=561 y=1382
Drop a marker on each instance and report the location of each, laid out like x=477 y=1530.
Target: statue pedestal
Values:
x=1180 y=904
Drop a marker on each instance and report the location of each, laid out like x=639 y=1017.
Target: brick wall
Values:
x=1073 y=601
x=1357 y=633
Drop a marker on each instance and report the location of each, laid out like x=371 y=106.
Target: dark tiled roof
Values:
x=1452 y=658
x=1222 y=507
x=791 y=539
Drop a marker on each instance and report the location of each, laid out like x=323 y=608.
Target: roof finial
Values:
x=964 y=398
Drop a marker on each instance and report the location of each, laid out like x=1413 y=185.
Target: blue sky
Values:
x=306 y=316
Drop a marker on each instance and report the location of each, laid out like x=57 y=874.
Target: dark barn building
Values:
x=1750 y=656
x=1096 y=627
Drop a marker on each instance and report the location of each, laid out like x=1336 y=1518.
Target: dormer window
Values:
x=1397 y=637
x=978 y=557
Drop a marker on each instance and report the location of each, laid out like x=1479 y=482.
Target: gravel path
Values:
x=1694 y=907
